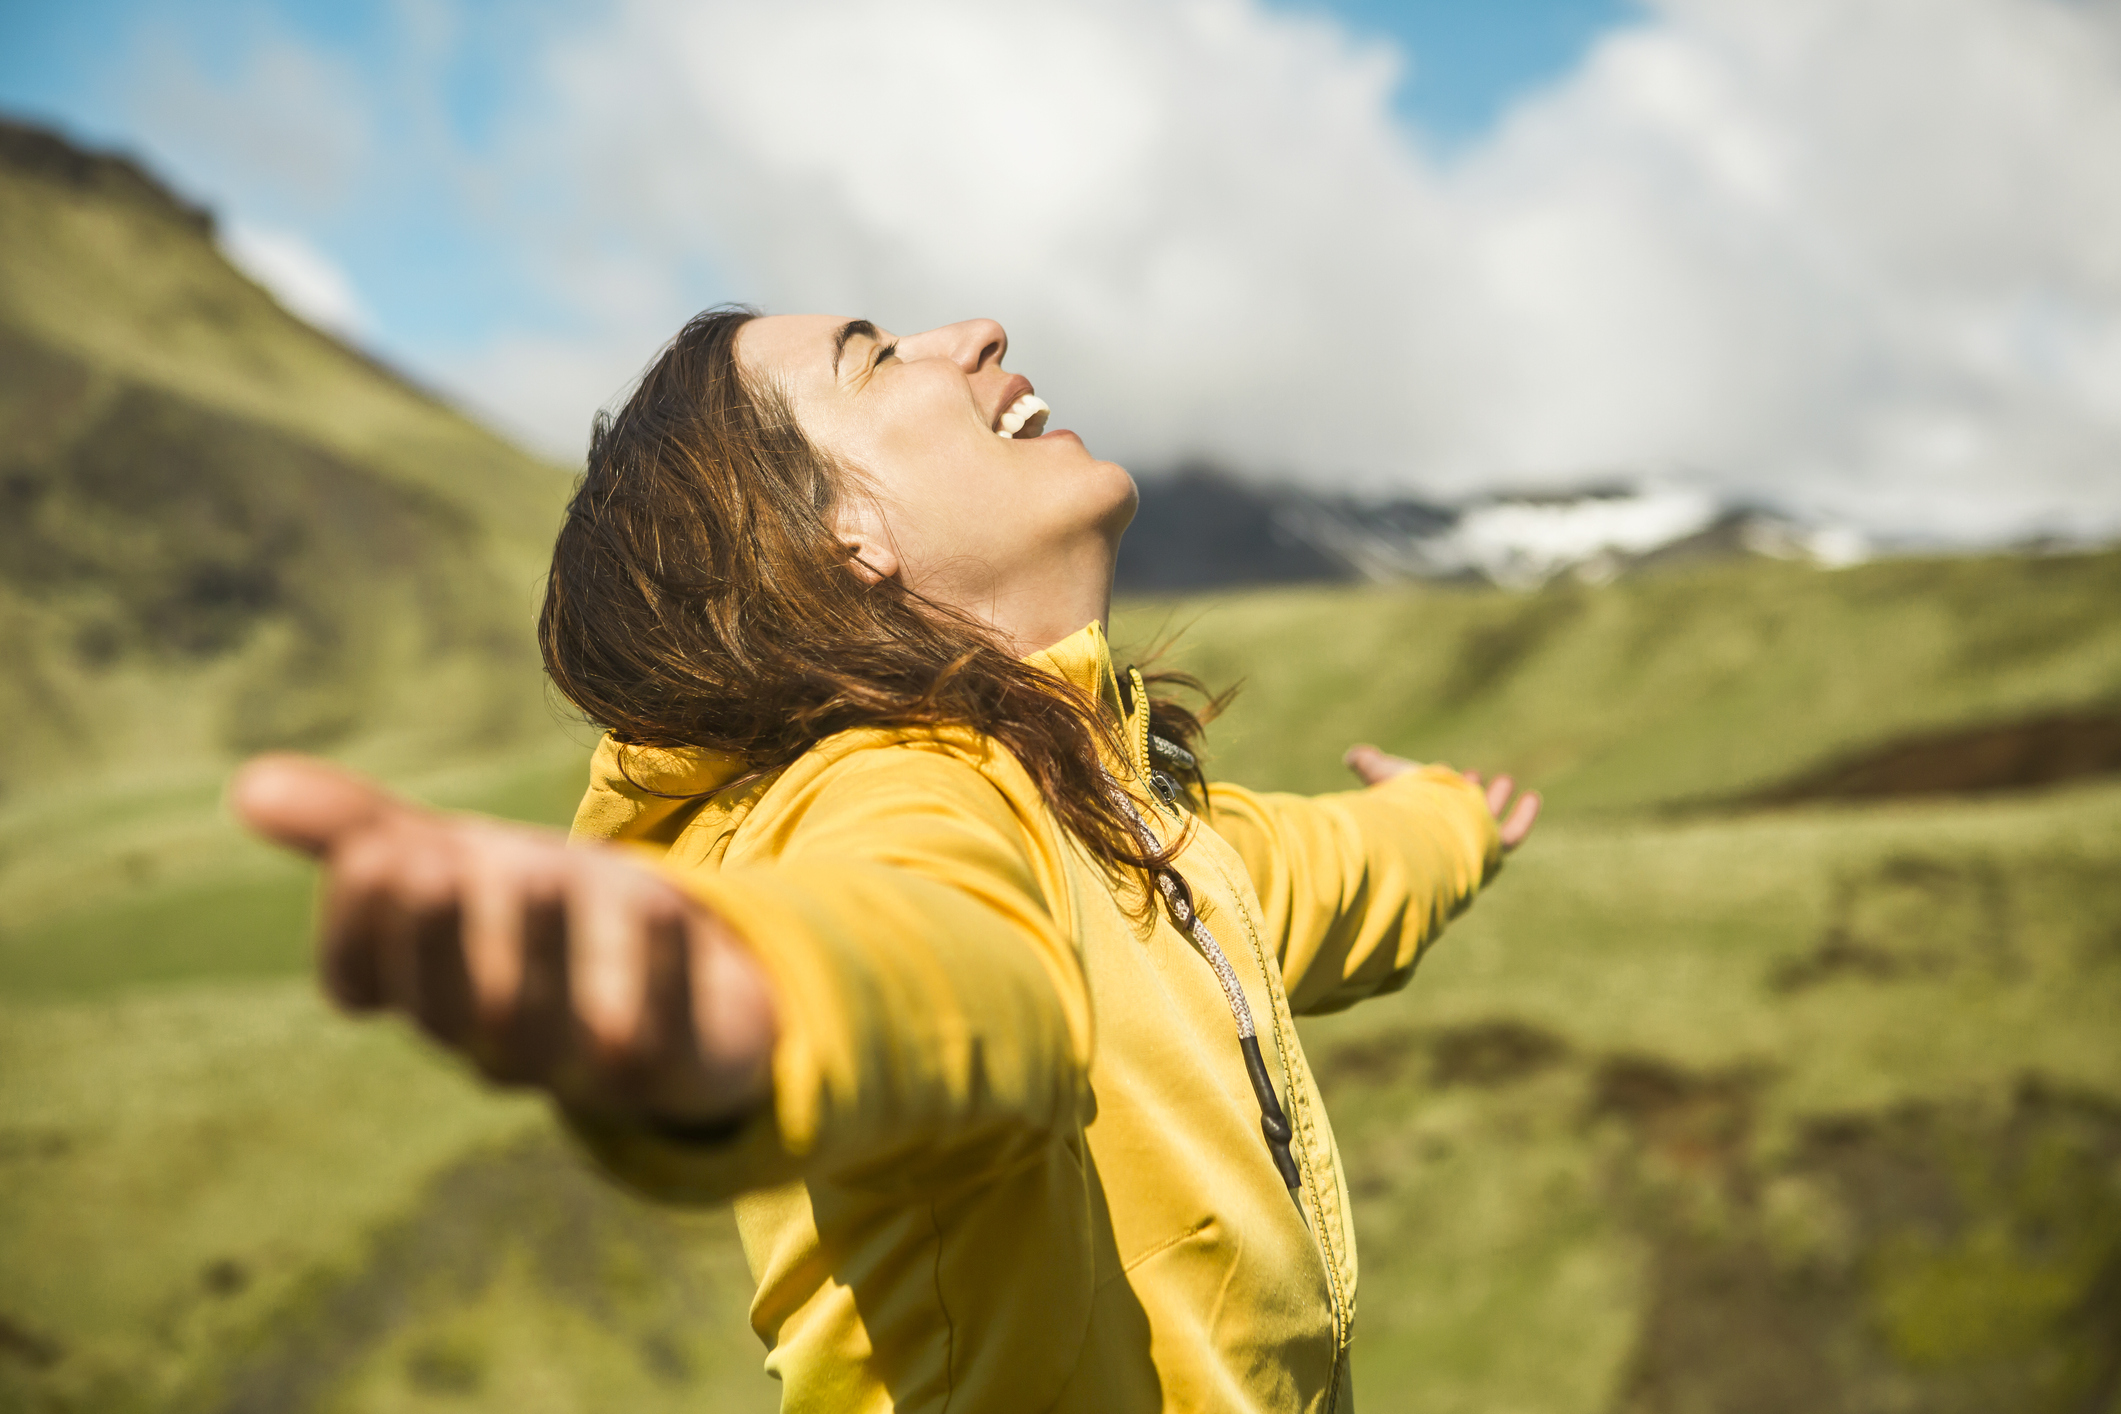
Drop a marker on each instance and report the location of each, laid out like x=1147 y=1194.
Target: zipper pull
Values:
x=1165 y=788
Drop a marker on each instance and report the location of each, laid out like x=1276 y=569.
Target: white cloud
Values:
x=306 y=281
x=543 y=389
x=1861 y=259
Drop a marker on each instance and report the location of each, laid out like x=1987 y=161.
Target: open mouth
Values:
x=1026 y=417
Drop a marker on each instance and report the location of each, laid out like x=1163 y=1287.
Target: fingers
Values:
x=307 y=804
x=636 y=952
x=575 y=970
x=540 y=1031
x=616 y=923
x=1520 y=820
x=1514 y=821
x=392 y=929
x=515 y=959
x=432 y=983
x=738 y=1020
x=1374 y=766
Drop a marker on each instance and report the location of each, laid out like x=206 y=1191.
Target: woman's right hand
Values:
x=575 y=970
x=1512 y=822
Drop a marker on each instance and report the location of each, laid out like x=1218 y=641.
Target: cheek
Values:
x=922 y=444
x=929 y=466
x=996 y=513
x=987 y=500
x=945 y=495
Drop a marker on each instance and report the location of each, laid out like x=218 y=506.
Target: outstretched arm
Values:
x=1355 y=884
x=573 y=970
x=877 y=977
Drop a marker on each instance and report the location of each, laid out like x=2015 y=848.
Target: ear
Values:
x=866 y=539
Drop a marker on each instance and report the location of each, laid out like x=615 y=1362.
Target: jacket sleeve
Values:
x=934 y=1019
x=1356 y=884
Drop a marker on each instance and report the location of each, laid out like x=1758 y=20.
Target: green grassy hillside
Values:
x=1811 y=1110
x=1805 y=1108
x=1717 y=1108
x=222 y=531
x=1692 y=686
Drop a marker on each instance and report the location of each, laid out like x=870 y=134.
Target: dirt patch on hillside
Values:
x=19 y=1342
x=1910 y=916
x=1489 y=1053
x=1935 y=1258
x=1997 y=756
x=1493 y=1053
x=1696 y=1121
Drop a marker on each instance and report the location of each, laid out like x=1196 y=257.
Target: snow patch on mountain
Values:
x=1523 y=541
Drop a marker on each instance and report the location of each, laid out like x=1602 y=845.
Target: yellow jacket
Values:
x=1013 y=1160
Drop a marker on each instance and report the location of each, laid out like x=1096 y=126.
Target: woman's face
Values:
x=1018 y=530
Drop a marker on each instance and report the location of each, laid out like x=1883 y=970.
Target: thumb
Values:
x=1374 y=766
x=307 y=804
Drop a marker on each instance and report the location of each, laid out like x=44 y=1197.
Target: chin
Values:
x=1119 y=499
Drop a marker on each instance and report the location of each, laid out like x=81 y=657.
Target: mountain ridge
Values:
x=221 y=529
x=28 y=148
x=1201 y=527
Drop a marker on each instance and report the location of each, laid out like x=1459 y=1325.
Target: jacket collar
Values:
x=1084 y=659
x=650 y=793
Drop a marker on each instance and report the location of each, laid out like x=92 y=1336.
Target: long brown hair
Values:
x=700 y=597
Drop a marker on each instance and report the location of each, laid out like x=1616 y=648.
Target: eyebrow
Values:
x=853 y=328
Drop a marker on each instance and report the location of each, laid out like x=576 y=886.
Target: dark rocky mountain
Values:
x=1202 y=528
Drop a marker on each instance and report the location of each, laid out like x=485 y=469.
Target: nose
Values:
x=971 y=344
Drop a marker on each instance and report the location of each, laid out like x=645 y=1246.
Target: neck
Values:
x=1041 y=605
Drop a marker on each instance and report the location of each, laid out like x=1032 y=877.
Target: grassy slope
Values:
x=1680 y=686
x=1603 y=1093
x=220 y=530
x=1632 y=1114
x=244 y=1204
x=141 y=294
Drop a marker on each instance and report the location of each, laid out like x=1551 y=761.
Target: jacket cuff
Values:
x=1465 y=807
x=674 y=1166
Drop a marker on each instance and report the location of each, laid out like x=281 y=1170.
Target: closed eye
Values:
x=887 y=351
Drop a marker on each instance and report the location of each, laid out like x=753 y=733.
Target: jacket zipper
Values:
x=1136 y=701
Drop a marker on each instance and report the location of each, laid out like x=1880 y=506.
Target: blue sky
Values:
x=425 y=276
x=429 y=280
x=1469 y=58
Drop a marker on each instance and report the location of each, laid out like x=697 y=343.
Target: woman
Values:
x=927 y=942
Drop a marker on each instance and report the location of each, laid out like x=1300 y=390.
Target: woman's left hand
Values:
x=1514 y=822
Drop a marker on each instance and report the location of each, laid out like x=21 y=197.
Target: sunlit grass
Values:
x=213 y=1189
x=1680 y=686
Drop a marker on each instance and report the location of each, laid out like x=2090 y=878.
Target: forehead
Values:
x=793 y=350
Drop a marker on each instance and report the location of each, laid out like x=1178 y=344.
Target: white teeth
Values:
x=1029 y=411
